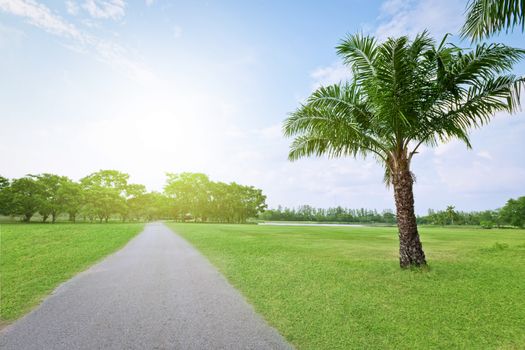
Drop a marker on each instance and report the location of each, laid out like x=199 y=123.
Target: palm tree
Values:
x=404 y=94
x=486 y=17
x=451 y=213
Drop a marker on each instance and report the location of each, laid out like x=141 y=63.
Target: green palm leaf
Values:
x=486 y=17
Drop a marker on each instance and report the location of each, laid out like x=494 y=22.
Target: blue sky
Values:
x=149 y=87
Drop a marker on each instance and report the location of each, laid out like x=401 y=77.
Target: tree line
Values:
x=108 y=194
x=512 y=213
x=335 y=214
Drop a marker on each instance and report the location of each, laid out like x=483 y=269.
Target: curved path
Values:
x=157 y=292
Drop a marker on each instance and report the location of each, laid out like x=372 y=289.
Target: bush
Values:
x=486 y=224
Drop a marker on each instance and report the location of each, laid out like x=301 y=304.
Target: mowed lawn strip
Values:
x=35 y=258
x=342 y=288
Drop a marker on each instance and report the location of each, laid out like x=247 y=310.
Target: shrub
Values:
x=486 y=224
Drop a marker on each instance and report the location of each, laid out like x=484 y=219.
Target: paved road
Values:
x=158 y=292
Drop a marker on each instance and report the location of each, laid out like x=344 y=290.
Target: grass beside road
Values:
x=341 y=287
x=35 y=258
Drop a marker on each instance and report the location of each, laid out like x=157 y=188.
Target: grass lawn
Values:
x=35 y=258
x=341 y=287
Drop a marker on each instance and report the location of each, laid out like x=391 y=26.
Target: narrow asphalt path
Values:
x=157 y=292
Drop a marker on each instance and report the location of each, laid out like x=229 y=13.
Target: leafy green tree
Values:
x=194 y=195
x=4 y=182
x=237 y=202
x=71 y=198
x=51 y=203
x=135 y=203
x=25 y=197
x=150 y=206
x=5 y=200
x=389 y=217
x=513 y=212
x=253 y=202
x=190 y=192
x=487 y=17
x=220 y=208
x=404 y=94
x=104 y=193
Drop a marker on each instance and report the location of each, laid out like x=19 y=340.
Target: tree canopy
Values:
x=108 y=194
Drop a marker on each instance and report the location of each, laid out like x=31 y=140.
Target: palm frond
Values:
x=477 y=106
x=486 y=17
x=359 y=52
x=484 y=62
x=335 y=122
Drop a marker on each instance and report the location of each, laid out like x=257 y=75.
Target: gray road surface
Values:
x=157 y=292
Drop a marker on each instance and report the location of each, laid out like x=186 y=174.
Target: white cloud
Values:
x=72 y=7
x=78 y=40
x=150 y=2
x=332 y=74
x=409 y=17
x=401 y=17
x=40 y=16
x=485 y=154
x=110 y=9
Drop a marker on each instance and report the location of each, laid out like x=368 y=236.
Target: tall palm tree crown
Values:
x=404 y=94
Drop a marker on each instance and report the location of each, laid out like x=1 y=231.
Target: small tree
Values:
x=513 y=212
x=25 y=197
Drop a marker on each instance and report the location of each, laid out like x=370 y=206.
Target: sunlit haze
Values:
x=149 y=87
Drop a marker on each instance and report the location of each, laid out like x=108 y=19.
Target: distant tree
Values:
x=5 y=200
x=487 y=17
x=51 y=203
x=25 y=197
x=337 y=214
x=513 y=212
x=248 y=202
x=156 y=206
x=4 y=182
x=404 y=94
x=135 y=202
x=104 y=193
x=71 y=198
x=195 y=195
x=451 y=214
x=389 y=217
x=221 y=206
x=190 y=192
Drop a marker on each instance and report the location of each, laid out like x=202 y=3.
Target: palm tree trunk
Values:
x=410 y=248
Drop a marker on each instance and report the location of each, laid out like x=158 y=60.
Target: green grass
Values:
x=341 y=288
x=35 y=258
